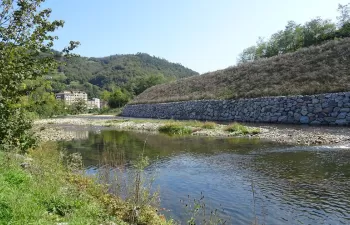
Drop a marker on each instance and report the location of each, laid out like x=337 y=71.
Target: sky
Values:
x=203 y=35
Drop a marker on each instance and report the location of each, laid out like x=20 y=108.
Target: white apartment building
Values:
x=94 y=103
x=70 y=97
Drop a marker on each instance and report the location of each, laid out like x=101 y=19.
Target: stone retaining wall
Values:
x=322 y=109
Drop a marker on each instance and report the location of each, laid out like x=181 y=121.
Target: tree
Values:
x=105 y=95
x=248 y=55
x=78 y=107
x=344 y=17
x=118 y=98
x=318 y=30
x=25 y=42
x=140 y=84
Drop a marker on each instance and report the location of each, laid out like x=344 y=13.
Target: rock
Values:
x=342 y=115
x=297 y=116
x=336 y=109
x=317 y=110
x=304 y=120
x=304 y=112
x=315 y=122
x=341 y=122
x=282 y=118
x=327 y=110
x=315 y=101
x=334 y=114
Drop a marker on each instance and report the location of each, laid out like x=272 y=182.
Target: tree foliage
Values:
x=94 y=75
x=25 y=33
x=118 y=98
x=78 y=107
x=296 y=36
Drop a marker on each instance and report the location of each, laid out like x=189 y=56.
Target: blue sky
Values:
x=204 y=35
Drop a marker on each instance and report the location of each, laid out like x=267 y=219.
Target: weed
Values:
x=16 y=177
x=198 y=212
x=208 y=125
x=133 y=185
x=240 y=129
x=174 y=129
x=6 y=213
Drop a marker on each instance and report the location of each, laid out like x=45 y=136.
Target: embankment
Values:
x=315 y=70
x=321 y=109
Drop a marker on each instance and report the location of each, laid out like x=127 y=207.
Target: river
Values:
x=243 y=180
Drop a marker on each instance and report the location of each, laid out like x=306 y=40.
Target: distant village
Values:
x=71 y=97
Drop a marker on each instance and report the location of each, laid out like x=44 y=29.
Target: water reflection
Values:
x=291 y=185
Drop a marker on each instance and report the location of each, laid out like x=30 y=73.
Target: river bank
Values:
x=62 y=129
x=47 y=186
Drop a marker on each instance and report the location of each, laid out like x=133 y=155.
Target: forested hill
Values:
x=133 y=72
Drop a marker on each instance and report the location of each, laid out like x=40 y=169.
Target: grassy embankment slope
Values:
x=318 y=69
x=49 y=190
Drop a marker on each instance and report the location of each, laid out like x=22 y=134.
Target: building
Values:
x=70 y=97
x=94 y=103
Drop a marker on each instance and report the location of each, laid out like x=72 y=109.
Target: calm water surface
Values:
x=244 y=179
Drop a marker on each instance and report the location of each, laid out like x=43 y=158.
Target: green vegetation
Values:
x=296 y=36
x=25 y=42
x=49 y=191
x=174 y=129
x=133 y=73
x=240 y=129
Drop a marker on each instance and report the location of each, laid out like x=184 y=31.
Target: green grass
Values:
x=174 y=129
x=318 y=69
x=240 y=129
x=48 y=192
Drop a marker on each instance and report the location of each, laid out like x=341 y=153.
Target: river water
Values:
x=243 y=181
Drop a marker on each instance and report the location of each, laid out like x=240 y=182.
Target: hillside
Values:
x=95 y=74
x=317 y=69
